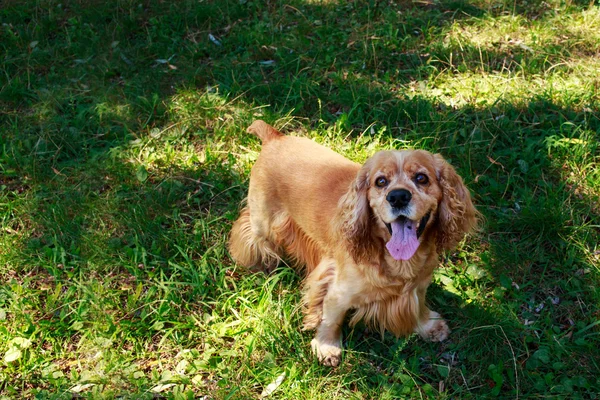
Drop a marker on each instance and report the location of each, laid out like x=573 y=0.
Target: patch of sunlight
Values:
x=576 y=33
x=172 y=151
x=46 y=108
x=101 y=359
x=584 y=25
x=489 y=33
x=111 y=111
x=575 y=87
x=203 y=126
x=205 y=105
x=593 y=257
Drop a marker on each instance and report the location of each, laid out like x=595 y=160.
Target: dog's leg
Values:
x=431 y=326
x=316 y=287
x=327 y=344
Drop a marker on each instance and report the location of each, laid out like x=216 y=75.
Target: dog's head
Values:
x=405 y=197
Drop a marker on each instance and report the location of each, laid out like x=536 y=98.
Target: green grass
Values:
x=124 y=159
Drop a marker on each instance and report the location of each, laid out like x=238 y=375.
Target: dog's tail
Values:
x=264 y=131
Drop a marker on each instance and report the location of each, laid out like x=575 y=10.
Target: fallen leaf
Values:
x=21 y=342
x=12 y=354
x=273 y=385
x=81 y=388
x=494 y=162
x=214 y=39
x=162 y=388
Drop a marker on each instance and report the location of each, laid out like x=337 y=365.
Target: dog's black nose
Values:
x=399 y=198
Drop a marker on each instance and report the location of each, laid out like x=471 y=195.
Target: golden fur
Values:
x=330 y=215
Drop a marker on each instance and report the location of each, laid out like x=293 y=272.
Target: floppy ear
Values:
x=456 y=214
x=355 y=217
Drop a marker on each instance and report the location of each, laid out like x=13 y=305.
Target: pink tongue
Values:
x=404 y=242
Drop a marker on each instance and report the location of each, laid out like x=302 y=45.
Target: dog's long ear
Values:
x=456 y=214
x=355 y=217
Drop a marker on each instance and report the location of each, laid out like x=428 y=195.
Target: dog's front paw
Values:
x=435 y=329
x=328 y=354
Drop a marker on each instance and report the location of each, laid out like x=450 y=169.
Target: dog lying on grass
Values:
x=369 y=235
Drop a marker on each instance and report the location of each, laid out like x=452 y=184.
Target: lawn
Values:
x=124 y=161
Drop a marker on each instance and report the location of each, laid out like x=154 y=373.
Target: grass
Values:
x=123 y=161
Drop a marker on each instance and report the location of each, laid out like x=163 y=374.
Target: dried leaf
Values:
x=273 y=385
x=214 y=39
x=494 y=162
x=21 y=342
x=181 y=367
x=162 y=388
x=12 y=354
x=81 y=388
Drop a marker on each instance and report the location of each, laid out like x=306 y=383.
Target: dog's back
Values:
x=295 y=187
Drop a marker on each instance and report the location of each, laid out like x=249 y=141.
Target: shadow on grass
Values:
x=74 y=123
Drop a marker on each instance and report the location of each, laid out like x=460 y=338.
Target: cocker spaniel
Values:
x=369 y=235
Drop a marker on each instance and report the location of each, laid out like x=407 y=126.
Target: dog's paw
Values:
x=435 y=329
x=328 y=354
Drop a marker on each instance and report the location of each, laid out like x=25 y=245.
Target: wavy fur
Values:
x=456 y=215
x=354 y=219
x=327 y=213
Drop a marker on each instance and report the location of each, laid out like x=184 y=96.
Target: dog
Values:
x=368 y=235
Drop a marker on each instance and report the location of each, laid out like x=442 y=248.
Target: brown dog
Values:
x=369 y=235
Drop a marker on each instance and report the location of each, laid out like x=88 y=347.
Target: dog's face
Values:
x=402 y=196
x=403 y=193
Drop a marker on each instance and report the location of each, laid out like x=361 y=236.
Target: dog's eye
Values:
x=381 y=182
x=421 y=179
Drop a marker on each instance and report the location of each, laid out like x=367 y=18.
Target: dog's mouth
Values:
x=405 y=236
x=420 y=225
